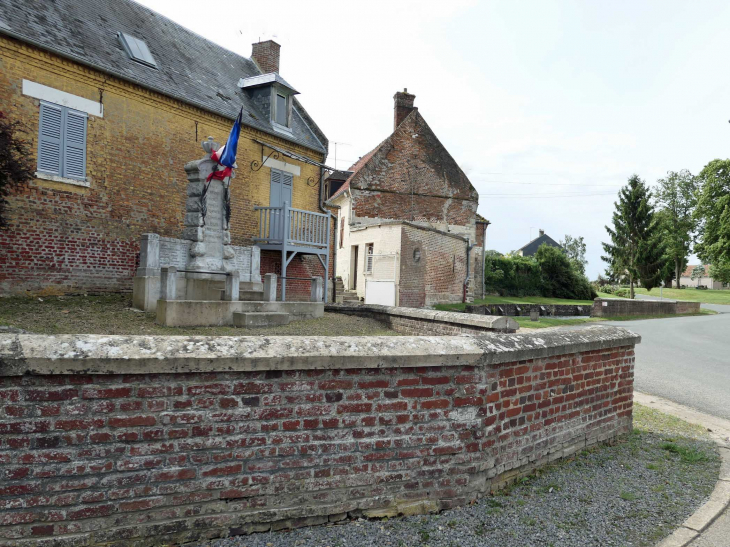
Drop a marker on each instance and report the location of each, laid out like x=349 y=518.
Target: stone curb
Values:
x=719 y=500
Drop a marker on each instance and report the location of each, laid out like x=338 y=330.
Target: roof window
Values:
x=137 y=49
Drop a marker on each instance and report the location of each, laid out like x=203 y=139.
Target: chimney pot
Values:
x=266 y=55
x=542 y=232
x=403 y=106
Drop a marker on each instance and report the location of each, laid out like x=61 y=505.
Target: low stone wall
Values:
x=616 y=307
x=516 y=310
x=420 y=322
x=142 y=440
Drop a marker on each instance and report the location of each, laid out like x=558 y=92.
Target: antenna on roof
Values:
x=336 y=143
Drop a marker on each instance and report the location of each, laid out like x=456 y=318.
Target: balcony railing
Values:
x=302 y=228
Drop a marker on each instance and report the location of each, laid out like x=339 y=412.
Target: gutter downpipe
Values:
x=469 y=247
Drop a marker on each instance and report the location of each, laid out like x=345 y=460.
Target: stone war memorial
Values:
x=203 y=280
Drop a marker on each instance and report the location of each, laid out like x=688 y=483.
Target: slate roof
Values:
x=532 y=247
x=190 y=68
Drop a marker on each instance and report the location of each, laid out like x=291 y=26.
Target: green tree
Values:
x=16 y=167
x=721 y=271
x=713 y=214
x=698 y=272
x=636 y=246
x=676 y=199
x=560 y=278
x=575 y=249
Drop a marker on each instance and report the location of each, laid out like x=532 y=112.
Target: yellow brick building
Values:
x=77 y=225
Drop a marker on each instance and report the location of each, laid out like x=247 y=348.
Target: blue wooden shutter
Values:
x=286 y=187
x=275 y=193
x=74 y=145
x=50 y=134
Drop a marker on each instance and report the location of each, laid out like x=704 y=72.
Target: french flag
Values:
x=225 y=156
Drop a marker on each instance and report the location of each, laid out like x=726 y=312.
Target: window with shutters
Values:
x=62 y=142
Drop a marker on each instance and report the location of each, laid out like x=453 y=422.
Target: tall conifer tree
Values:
x=636 y=248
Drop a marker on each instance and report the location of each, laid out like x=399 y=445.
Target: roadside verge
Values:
x=703 y=519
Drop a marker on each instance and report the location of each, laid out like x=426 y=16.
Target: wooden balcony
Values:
x=293 y=231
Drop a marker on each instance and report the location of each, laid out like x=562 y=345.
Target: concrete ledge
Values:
x=97 y=354
x=196 y=313
x=458 y=319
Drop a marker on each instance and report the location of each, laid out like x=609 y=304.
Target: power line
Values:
x=547 y=183
x=544 y=196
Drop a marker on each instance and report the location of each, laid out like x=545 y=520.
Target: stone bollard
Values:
x=233 y=281
x=269 y=287
x=168 y=283
x=317 y=289
x=149 y=255
x=534 y=313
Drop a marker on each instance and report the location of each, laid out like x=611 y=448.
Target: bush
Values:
x=623 y=292
x=549 y=273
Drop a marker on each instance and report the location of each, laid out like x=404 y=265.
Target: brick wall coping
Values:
x=493 y=322
x=98 y=354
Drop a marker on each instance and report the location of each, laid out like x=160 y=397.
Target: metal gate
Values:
x=380 y=278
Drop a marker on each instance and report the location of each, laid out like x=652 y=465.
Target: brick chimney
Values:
x=266 y=55
x=403 y=106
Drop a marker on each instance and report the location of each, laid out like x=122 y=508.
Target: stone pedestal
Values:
x=205 y=219
x=205 y=246
x=270 y=287
x=317 y=289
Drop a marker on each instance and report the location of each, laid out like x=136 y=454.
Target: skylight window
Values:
x=137 y=49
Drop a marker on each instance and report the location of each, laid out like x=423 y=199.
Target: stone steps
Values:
x=252 y=320
x=251 y=296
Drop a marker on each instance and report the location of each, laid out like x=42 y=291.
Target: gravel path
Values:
x=633 y=493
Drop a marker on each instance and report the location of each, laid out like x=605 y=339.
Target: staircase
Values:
x=348 y=297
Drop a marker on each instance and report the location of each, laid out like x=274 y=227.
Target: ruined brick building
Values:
x=409 y=232
x=116 y=100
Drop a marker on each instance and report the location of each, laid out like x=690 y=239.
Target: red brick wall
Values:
x=413 y=177
x=439 y=275
x=117 y=458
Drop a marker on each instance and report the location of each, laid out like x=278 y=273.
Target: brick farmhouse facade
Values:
x=141 y=121
x=408 y=198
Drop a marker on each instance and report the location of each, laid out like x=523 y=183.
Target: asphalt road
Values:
x=685 y=359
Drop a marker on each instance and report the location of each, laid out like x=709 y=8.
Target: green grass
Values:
x=692 y=295
x=546 y=322
x=686 y=453
x=513 y=300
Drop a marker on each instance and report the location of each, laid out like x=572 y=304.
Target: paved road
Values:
x=685 y=359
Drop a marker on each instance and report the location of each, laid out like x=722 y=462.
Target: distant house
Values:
x=531 y=248
x=409 y=234
x=706 y=281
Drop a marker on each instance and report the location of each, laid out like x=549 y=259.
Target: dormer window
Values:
x=273 y=96
x=282 y=110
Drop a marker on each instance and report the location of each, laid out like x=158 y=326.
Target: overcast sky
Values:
x=537 y=101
